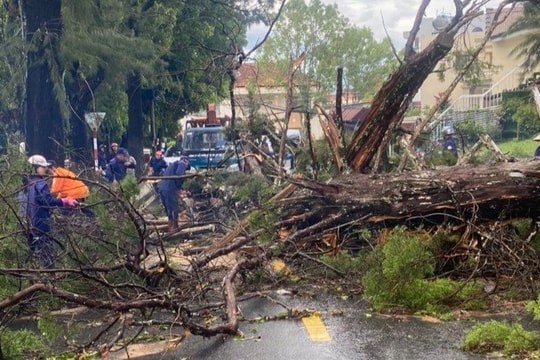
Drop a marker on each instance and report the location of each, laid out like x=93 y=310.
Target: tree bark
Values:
x=392 y=101
x=454 y=194
x=43 y=122
x=293 y=67
x=135 y=132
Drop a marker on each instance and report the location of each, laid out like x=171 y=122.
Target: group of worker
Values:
x=168 y=189
x=65 y=190
x=115 y=164
x=37 y=198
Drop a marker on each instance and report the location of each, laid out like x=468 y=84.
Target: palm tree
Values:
x=529 y=48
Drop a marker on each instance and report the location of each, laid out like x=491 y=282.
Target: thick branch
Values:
x=231 y=326
x=392 y=101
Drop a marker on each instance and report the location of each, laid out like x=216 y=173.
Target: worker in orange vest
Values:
x=65 y=184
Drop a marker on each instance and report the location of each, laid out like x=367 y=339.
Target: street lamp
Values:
x=94 y=119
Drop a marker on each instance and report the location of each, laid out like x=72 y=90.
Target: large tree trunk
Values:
x=43 y=120
x=467 y=195
x=135 y=133
x=470 y=193
x=392 y=101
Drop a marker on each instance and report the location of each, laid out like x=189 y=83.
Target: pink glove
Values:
x=69 y=202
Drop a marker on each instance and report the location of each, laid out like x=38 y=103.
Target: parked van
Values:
x=206 y=148
x=204 y=142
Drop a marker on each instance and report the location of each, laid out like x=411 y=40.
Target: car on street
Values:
x=171 y=155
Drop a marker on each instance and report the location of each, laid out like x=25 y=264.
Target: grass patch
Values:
x=492 y=336
x=519 y=148
x=534 y=308
x=513 y=148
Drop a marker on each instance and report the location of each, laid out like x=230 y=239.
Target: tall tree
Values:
x=99 y=48
x=207 y=46
x=43 y=120
x=208 y=43
x=12 y=65
x=393 y=99
x=153 y=21
x=366 y=61
x=181 y=49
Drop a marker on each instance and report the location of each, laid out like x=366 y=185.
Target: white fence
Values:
x=475 y=103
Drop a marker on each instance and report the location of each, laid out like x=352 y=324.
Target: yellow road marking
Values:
x=316 y=329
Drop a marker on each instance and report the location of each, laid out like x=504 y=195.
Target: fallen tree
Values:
x=480 y=192
x=469 y=194
x=122 y=273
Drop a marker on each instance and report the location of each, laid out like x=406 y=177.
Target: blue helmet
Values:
x=185 y=160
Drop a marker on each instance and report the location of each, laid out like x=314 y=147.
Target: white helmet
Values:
x=38 y=160
x=448 y=130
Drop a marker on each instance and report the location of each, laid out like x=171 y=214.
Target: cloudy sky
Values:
x=398 y=15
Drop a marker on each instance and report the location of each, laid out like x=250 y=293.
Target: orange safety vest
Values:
x=66 y=185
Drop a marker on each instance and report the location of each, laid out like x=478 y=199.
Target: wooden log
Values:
x=485 y=192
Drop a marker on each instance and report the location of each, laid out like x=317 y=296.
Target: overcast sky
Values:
x=398 y=15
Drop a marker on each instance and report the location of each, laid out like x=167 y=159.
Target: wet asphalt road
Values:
x=355 y=334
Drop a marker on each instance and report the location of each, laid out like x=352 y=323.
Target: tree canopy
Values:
x=180 y=52
x=329 y=40
x=529 y=48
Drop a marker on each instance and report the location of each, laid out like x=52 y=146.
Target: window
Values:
x=204 y=140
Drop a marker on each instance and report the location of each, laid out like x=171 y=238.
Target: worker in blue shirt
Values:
x=157 y=164
x=169 y=191
x=36 y=204
x=449 y=144
x=116 y=170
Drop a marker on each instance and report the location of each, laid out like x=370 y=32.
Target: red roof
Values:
x=352 y=113
x=244 y=73
x=251 y=72
x=355 y=114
